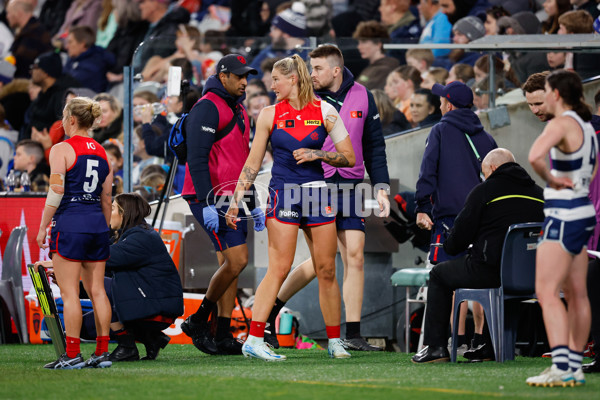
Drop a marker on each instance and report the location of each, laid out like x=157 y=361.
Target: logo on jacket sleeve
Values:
x=355 y=114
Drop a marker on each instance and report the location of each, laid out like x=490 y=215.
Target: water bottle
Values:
x=10 y=181
x=25 y=181
x=158 y=108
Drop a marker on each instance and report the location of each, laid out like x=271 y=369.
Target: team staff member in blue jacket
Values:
x=335 y=84
x=218 y=142
x=451 y=163
x=146 y=289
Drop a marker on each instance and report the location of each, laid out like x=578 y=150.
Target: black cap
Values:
x=236 y=64
x=50 y=63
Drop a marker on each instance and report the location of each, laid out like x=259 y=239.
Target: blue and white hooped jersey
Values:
x=573 y=204
x=83 y=188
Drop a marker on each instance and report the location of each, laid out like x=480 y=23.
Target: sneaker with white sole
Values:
x=579 y=377
x=101 y=361
x=257 y=348
x=65 y=362
x=552 y=377
x=336 y=349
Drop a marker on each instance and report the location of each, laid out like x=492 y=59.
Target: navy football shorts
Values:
x=303 y=206
x=225 y=237
x=76 y=246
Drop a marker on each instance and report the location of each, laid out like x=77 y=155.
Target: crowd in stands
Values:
x=52 y=50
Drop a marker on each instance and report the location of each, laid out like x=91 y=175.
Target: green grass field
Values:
x=182 y=372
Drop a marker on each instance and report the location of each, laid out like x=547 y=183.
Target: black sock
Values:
x=223 y=328
x=274 y=312
x=460 y=340
x=203 y=311
x=352 y=330
x=478 y=340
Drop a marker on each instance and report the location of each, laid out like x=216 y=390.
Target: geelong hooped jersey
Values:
x=294 y=129
x=80 y=209
x=578 y=166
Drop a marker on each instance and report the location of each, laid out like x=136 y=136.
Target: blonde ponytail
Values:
x=296 y=65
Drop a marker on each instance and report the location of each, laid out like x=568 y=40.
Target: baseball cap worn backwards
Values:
x=236 y=64
x=457 y=93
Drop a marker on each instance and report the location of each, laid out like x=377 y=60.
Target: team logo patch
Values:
x=312 y=122
x=328 y=210
x=242 y=60
x=288 y=123
x=314 y=136
x=355 y=114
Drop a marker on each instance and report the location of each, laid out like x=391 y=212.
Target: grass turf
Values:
x=182 y=372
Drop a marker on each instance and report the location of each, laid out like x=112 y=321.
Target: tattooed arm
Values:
x=344 y=157
x=250 y=170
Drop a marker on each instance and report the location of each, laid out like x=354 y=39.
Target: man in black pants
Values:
x=508 y=196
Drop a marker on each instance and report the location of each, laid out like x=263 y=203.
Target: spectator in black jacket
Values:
x=164 y=23
x=31 y=38
x=147 y=295
x=507 y=196
x=48 y=106
x=131 y=30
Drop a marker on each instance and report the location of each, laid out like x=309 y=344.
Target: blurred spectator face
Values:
x=37 y=75
x=420 y=108
x=108 y=115
x=174 y=105
x=447 y=7
x=480 y=101
x=22 y=160
x=392 y=86
x=115 y=162
x=535 y=101
x=74 y=48
x=322 y=73
x=550 y=7
x=562 y=30
x=425 y=9
x=33 y=90
x=556 y=60
x=479 y=74
x=368 y=49
x=267 y=80
x=428 y=80
x=138 y=101
x=451 y=76
x=277 y=38
x=256 y=104
x=490 y=25
x=147 y=8
x=459 y=38
x=265 y=12
x=14 y=14
x=413 y=62
x=386 y=10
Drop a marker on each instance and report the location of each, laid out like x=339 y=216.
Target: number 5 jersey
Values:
x=80 y=209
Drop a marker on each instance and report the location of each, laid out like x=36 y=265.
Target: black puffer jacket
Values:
x=509 y=196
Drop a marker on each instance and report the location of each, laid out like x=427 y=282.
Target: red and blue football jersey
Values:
x=294 y=129
x=80 y=209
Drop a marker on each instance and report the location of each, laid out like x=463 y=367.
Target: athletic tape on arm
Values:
x=338 y=132
x=53 y=199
